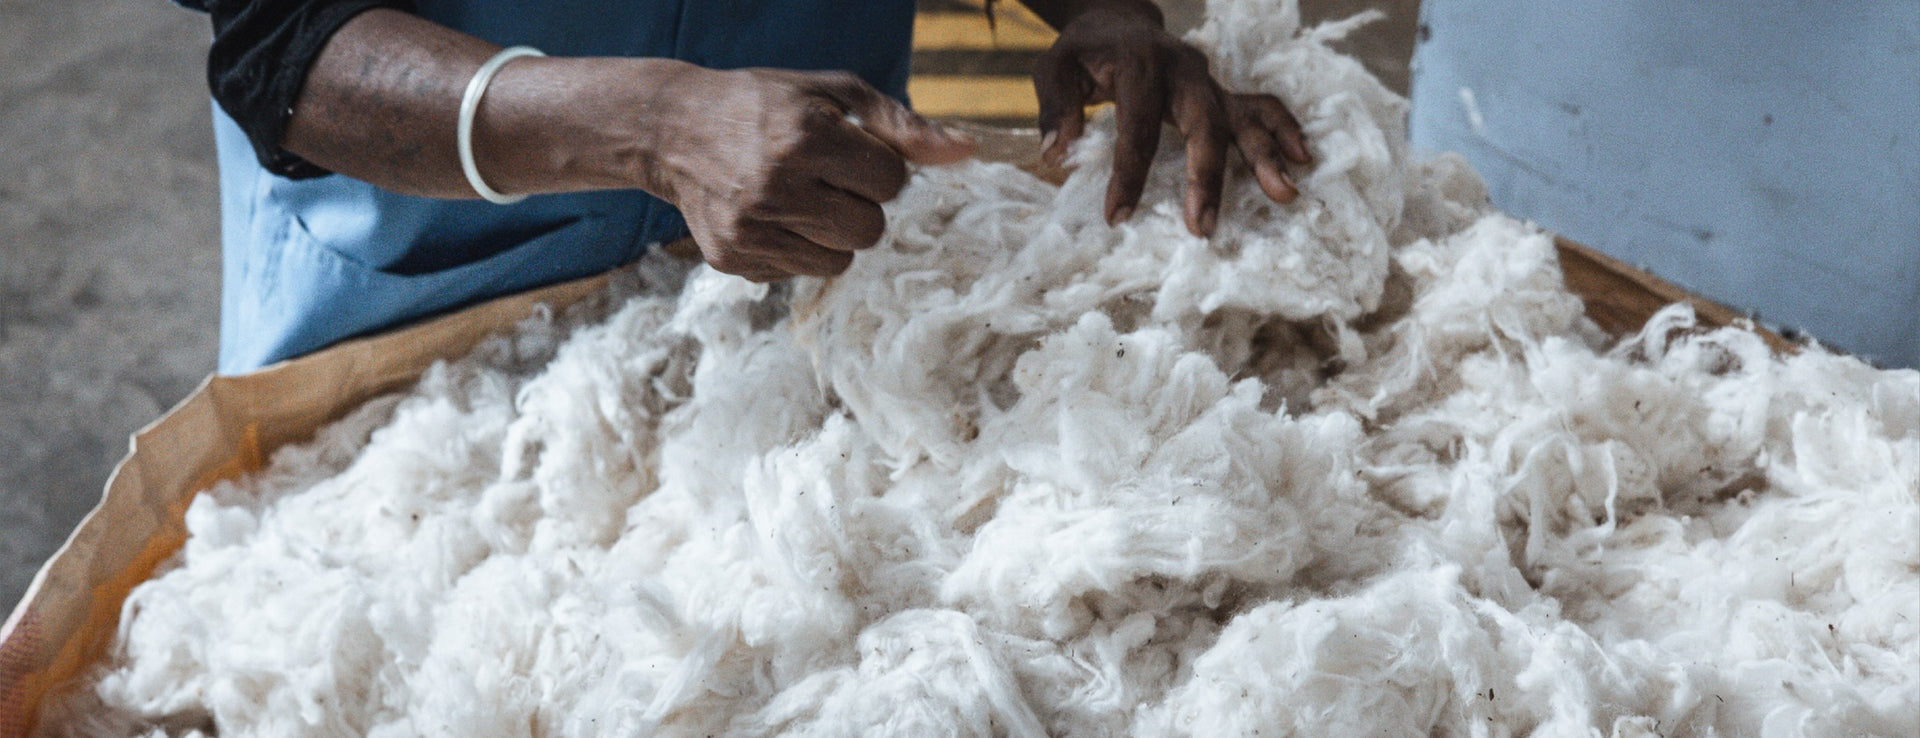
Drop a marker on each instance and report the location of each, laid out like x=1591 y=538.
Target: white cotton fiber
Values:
x=1357 y=465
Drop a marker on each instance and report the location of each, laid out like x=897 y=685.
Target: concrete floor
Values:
x=109 y=257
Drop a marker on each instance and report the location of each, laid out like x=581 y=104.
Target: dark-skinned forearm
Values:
x=382 y=101
x=1058 y=13
x=777 y=172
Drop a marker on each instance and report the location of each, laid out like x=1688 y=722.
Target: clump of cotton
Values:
x=1356 y=465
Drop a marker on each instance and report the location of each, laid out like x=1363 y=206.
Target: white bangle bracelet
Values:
x=470 y=104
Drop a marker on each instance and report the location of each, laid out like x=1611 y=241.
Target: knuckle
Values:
x=844 y=78
x=1049 y=64
x=834 y=80
x=1130 y=181
x=1127 y=160
x=868 y=228
x=1148 y=48
x=758 y=210
x=1176 y=57
x=890 y=176
x=1255 y=144
x=1191 y=58
x=817 y=115
x=1151 y=60
x=782 y=154
x=1215 y=131
x=835 y=262
x=756 y=207
x=1206 y=175
x=731 y=261
x=1275 y=113
x=1243 y=115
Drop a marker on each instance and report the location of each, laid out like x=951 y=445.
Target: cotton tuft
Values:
x=1355 y=465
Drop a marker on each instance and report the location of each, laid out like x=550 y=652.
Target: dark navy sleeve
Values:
x=261 y=52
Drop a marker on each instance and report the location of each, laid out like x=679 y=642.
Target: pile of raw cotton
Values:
x=1354 y=466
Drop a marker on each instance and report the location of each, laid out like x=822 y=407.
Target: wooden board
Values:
x=1621 y=298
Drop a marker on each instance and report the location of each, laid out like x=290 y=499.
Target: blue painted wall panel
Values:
x=1762 y=153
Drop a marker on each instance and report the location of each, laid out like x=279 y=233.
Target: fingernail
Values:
x=1291 y=191
x=1052 y=156
x=1208 y=218
x=1122 y=214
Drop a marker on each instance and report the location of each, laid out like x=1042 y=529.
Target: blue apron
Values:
x=1762 y=153
x=310 y=262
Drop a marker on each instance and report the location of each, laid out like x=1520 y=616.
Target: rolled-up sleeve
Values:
x=261 y=52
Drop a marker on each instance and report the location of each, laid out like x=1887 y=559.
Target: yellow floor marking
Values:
x=973 y=97
x=968 y=31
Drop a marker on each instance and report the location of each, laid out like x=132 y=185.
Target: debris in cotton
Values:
x=1354 y=466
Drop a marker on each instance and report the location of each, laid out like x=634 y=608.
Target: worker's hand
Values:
x=1118 y=54
x=781 y=173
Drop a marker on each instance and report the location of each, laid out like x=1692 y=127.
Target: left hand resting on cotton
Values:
x=1119 y=51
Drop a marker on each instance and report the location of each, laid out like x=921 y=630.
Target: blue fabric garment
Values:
x=1763 y=153
x=310 y=262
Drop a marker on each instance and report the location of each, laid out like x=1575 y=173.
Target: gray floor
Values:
x=109 y=262
x=109 y=265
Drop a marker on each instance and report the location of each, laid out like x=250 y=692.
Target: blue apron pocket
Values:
x=303 y=295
